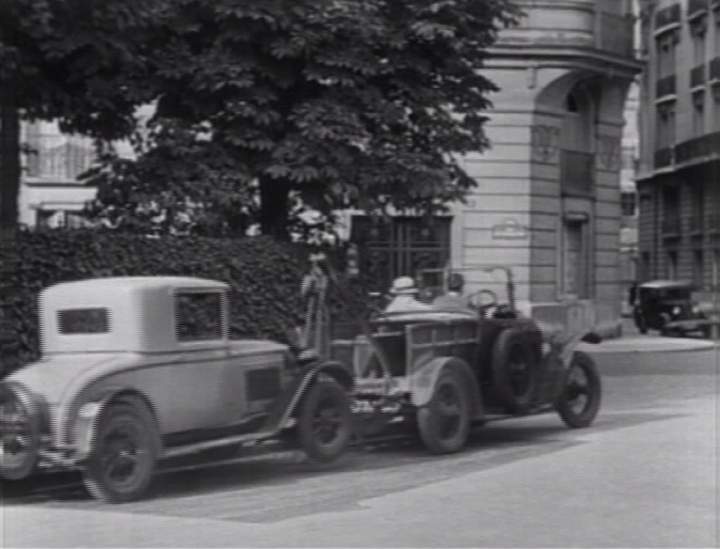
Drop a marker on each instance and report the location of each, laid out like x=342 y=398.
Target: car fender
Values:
x=423 y=379
x=332 y=369
x=569 y=345
x=85 y=423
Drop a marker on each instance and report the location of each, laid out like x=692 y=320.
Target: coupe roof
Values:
x=664 y=284
x=116 y=283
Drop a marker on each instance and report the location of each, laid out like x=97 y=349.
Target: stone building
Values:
x=679 y=180
x=547 y=202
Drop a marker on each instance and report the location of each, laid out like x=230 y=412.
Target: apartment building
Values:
x=679 y=180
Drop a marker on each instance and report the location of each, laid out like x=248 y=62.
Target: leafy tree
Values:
x=264 y=107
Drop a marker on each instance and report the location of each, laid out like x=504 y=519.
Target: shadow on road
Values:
x=375 y=470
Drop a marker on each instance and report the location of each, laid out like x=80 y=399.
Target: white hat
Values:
x=403 y=285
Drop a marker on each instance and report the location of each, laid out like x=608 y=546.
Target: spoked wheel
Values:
x=580 y=400
x=444 y=423
x=325 y=422
x=123 y=460
x=19 y=434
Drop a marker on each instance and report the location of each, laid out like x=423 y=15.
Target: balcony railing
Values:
x=697 y=6
x=697 y=76
x=614 y=34
x=697 y=147
x=667 y=16
x=577 y=170
x=665 y=86
x=715 y=69
x=663 y=157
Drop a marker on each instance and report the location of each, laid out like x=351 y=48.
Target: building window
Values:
x=698 y=269
x=671 y=265
x=671 y=210
x=698 y=29
x=645 y=266
x=628 y=203
x=697 y=204
x=665 y=47
x=698 y=101
x=575 y=260
x=665 y=125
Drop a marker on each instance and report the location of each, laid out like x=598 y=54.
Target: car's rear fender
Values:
x=423 y=379
x=84 y=426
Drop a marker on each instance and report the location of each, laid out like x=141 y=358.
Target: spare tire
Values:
x=515 y=370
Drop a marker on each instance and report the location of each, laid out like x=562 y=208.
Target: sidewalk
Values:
x=634 y=342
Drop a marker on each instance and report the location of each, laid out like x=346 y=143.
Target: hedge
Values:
x=264 y=274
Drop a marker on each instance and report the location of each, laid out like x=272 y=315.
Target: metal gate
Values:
x=400 y=246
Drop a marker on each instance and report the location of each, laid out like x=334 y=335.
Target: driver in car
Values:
x=453 y=300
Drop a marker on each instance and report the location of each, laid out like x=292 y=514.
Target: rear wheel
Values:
x=123 y=459
x=325 y=421
x=579 y=401
x=444 y=422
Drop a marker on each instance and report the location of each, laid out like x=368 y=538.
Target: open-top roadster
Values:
x=444 y=369
x=138 y=369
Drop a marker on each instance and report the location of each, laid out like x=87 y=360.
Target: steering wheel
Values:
x=482 y=300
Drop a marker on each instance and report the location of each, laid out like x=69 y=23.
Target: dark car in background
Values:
x=667 y=306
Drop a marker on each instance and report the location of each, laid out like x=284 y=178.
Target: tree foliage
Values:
x=262 y=107
x=325 y=103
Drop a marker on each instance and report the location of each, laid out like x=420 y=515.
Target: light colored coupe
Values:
x=138 y=369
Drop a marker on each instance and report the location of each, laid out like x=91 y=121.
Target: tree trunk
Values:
x=274 y=204
x=9 y=161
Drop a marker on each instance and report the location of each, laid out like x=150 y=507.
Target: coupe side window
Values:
x=198 y=316
x=83 y=321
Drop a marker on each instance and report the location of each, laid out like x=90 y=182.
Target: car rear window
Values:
x=198 y=316
x=84 y=321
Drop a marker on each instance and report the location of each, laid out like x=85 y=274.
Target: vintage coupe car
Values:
x=139 y=369
x=667 y=306
x=443 y=370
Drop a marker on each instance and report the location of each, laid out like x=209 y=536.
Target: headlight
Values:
x=20 y=425
x=676 y=310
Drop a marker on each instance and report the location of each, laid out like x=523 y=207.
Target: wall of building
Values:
x=679 y=233
x=548 y=197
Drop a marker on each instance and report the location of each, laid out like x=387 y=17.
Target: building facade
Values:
x=547 y=201
x=679 y=180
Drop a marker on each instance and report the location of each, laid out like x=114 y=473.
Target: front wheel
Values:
x=325 y=421
x=579 y=402
x=122 y=462
x=444 y=423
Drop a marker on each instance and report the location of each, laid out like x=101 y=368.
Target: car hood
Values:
x=52 y=375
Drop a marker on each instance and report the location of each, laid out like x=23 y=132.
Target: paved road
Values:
x=646 y=475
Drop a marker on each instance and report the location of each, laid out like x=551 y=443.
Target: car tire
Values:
x=325 y=421
x=444 y=423
x=20 y=449
x=515 y=371
x=124 y=456
x=581 y=379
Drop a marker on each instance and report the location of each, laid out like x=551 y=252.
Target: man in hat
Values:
x=404 y=295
